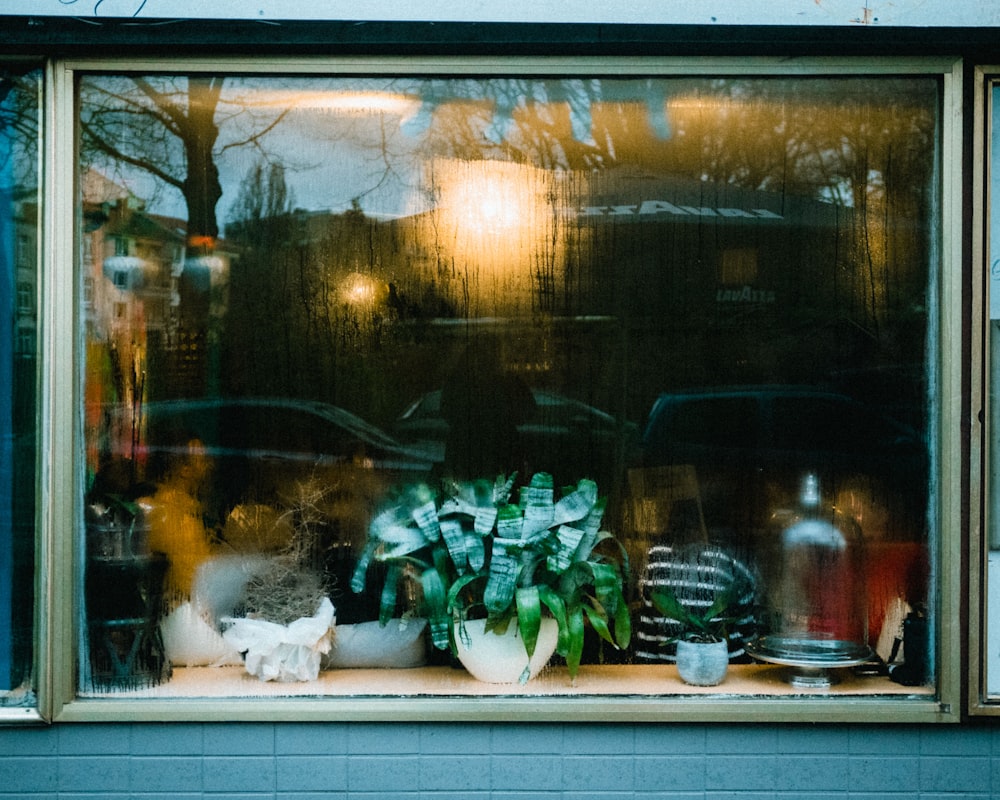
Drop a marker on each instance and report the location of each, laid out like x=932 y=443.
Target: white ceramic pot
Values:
x=501 y=658
x=702 y=663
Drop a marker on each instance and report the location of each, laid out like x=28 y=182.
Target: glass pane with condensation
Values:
x=20 y=94
x=318 y=310
x=992 y=648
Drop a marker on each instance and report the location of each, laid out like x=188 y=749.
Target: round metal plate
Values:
x=793 y=652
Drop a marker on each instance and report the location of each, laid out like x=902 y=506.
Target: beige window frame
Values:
x=983 y=668
x=61 y=440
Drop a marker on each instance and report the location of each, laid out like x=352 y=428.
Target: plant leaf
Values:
x=529 y=616
x=623 y=623
x=574 y=622
x=599 y=622
x=454 y=601
x=387 y=601
x=606 y=584
x=557 y=608
x=358 y=579
x=669 y=606
x=722 y=602
x=437 y=608
x=504 y=569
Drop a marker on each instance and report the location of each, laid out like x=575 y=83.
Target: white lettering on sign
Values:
x=648 y=207
x=658 y=207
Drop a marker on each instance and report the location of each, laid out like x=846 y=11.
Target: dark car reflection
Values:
x=262 y=450
x=751 y=446
x=562 y=436
x=251 y=460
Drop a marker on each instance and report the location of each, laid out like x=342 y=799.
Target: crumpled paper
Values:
x=283 y=653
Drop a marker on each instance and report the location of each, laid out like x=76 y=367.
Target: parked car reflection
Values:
x=260 y=450
x=752 y=445
x=563 y=436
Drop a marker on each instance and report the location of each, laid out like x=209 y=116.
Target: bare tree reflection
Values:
x=169 y=127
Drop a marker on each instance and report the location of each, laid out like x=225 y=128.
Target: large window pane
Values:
x=304 y=297
x=991 y=668
x=19 y=206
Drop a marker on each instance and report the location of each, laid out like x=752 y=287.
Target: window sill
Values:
x=592 y=680
x=628 y=694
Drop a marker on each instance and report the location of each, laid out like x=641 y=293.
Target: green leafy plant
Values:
x=704 y=589
x=476 y=554
x=710 y=625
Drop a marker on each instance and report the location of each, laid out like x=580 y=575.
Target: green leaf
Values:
x=454 y=601
x=557 y=608
x=387 y=602
x=574 y=579
x=623 y=623
x=722 y=602
x=358 y=579
x=669 y=606
x=504 y=569
x=499 y=622
x=437 y=608
x=710 y=624
x=598 y=621
x=607 y=584
x=529 y=616
x=574 y=622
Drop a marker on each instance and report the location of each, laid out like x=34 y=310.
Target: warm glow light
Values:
x=491 y=197
x=502 y=222
x=357 y=290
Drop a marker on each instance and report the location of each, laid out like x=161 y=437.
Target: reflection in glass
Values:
x=992 y=667
x=20 y=93
x=311 y=292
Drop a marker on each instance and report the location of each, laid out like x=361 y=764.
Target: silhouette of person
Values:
x=484 y=405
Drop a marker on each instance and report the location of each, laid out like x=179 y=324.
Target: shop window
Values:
x=20 y=93
x=411 y=309
x=985 y=585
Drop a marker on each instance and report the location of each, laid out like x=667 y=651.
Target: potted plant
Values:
x=707 y=594
x=284 y=621
x=484 y=562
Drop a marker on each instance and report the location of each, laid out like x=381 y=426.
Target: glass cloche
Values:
x=817 y=608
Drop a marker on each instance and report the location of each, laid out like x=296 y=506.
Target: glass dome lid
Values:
x=816 y=602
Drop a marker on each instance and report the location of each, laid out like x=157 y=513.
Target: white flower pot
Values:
x=501 y=658
x=702 y=663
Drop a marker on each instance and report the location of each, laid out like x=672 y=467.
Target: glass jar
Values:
x=817 y=603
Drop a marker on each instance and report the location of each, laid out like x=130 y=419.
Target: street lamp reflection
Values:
x=361 y=291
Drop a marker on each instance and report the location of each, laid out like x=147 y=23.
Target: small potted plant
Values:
x=706 y=594
x=482 y=561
